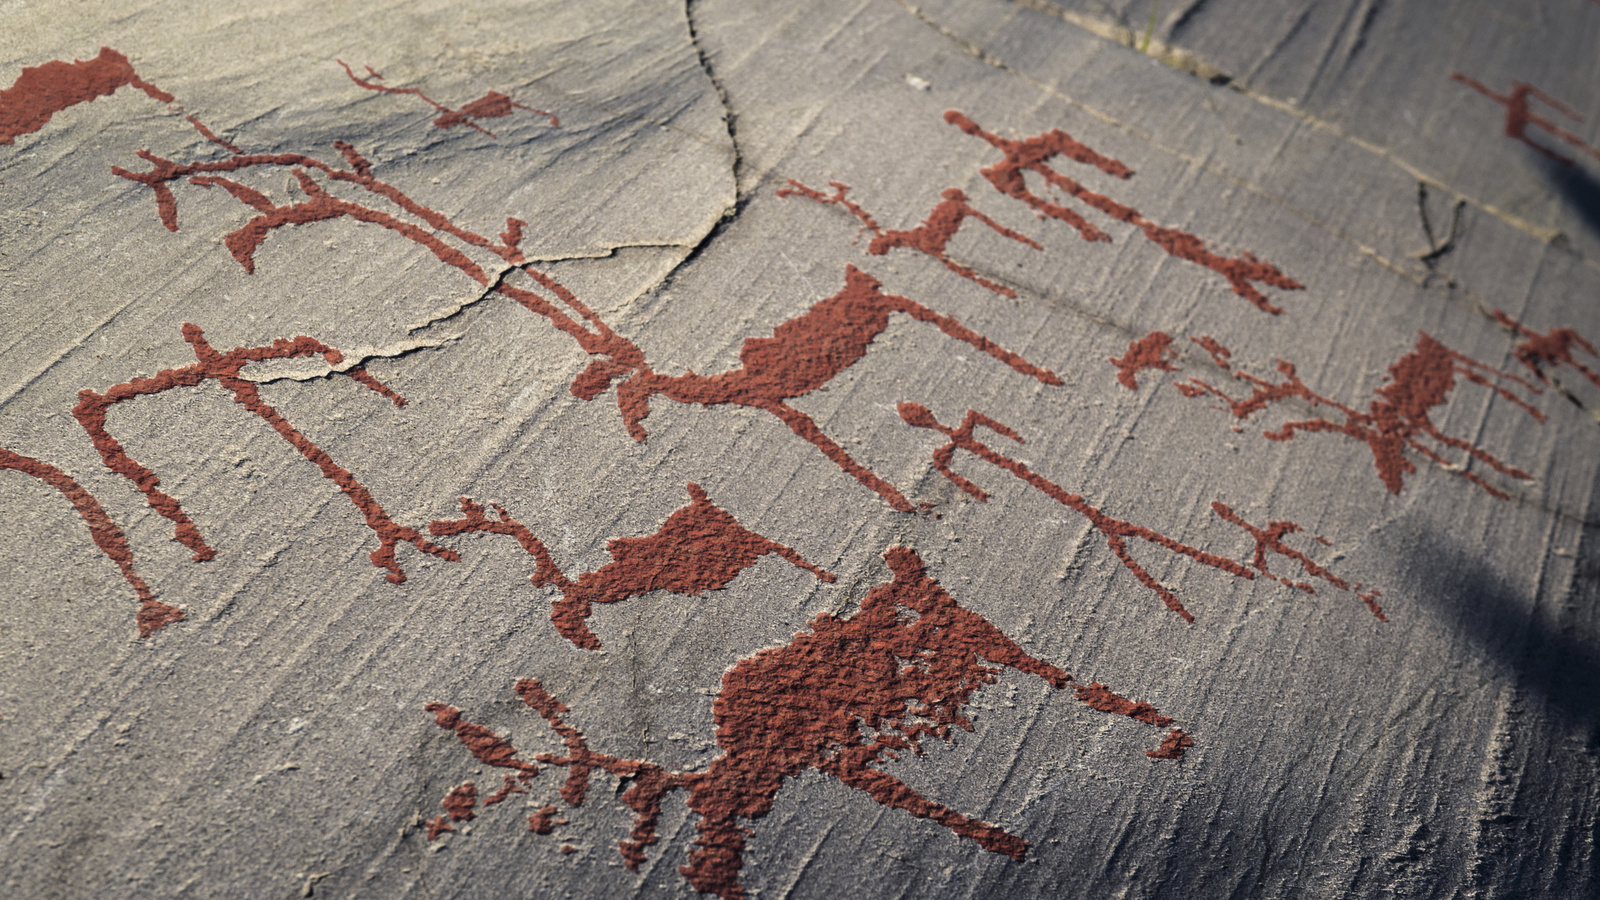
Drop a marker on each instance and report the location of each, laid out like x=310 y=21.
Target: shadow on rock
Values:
x=1552 y=650
x=1579 y=189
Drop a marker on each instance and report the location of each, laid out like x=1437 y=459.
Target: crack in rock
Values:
x=356 y=358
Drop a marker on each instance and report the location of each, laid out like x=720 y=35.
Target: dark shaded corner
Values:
x=1551 y=649
x=1578 y=188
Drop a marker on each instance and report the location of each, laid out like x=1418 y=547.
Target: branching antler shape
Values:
x=842 y=698
x=225 y=369
x=493 y=105
x=1033 y=155
x=801 y=356
x=1270 y=540
x=699 y=548
x=1398 y=420
x=1116 y=531
x=1520 y=115
x=153 y=614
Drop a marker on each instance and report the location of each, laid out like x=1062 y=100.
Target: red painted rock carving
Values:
x=801 y=356
x=225 y=368
x=153 y=614
x=1519 y=116
x=42 y=91
x=1219 y=354
x=1116 y=531
x=459 y=802
x=543 y=821
x=841 y=698
x=210 y=136
x=699 y=548
x=1153 y=351
x=1033 y=155
x=1270 y=540
x=1553 y=348
x=1398 y=420
x=508 y=787
x=493 y=105
x=931 y=237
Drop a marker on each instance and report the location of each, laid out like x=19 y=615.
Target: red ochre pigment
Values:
x=42 y=91
x=543 y=821
x=459 y=802
x=1116 y=531
x=1398 y=420
x=1153 y=351
x=699 y=548
x=1219 y=354
x=931 y=237
x=1553 y=348
x=225 y=368
x=493 y=105
x=841 y=698
x=1034 y=154
x=153 y=614
x=1519 y=116
x=804 y=354
x=1270 y=540
x=509 y=787
x=801 y=356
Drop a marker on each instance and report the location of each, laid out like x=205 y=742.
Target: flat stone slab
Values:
x=972 y=448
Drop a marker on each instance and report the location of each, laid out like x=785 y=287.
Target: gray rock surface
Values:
x=275 y=741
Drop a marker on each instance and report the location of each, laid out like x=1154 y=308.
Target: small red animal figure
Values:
x=699 y=548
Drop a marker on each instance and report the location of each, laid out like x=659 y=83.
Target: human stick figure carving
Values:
x=699 y=548
x=841 y=698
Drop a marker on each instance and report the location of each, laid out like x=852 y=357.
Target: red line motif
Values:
x=1219 y=354
x=1519 y=115
x=1153 y=351
x=153 y=614
x=1399 y=420
x=1270 y=540
x=1033 y=155
x=493 y=105
x=1116 y=531
x=226 y=368
x=841 y=698
x=931 y=237
x=699 y=548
